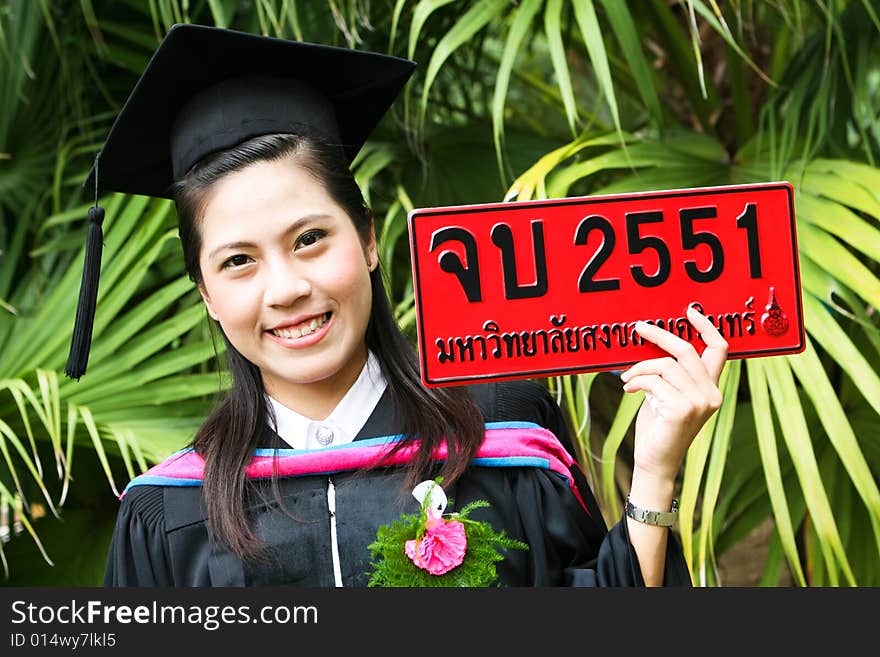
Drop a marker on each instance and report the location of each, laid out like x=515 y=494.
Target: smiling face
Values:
x=285 y=273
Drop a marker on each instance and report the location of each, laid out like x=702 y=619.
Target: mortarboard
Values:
x=207 y=89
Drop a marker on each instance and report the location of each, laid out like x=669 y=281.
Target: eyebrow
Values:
x=292 y=228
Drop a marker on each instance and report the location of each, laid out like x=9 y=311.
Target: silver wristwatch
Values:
x=660 y=518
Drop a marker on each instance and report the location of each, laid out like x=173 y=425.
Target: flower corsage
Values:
x=430 y=549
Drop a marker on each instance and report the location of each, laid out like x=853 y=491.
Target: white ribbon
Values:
x=430 y=496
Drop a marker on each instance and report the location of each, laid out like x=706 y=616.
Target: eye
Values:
x=308 y=238
x=238 y=260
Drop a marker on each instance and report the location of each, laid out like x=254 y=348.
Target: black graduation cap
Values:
x=207 y=89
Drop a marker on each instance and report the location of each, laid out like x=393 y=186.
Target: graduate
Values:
x=298 y=476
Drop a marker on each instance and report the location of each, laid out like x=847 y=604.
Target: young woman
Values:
x=327 y=427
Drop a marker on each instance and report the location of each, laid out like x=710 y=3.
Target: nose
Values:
x=286 y=282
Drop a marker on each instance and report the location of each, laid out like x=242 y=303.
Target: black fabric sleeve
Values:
x=139 y=554
x=591 y=555
x=619 y=564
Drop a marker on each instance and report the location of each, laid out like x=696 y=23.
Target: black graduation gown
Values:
x=161 y=537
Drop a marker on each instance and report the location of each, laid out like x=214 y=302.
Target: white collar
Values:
x=346 y=420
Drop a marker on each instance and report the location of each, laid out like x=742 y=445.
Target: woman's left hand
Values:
x=681 y=393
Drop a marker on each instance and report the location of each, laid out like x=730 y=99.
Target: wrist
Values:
x=651 y=491
x=661 y=468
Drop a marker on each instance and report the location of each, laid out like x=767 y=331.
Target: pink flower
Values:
x=442 y=547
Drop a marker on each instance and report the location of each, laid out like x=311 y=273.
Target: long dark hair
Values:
x=236 y=426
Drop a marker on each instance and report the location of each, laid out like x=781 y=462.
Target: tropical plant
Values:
x=146 y=388
x=811 y=119
x=513 y=100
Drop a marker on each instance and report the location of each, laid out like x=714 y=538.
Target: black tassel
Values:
x=88 y=295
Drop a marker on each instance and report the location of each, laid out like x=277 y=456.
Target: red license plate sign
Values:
x=540 y=288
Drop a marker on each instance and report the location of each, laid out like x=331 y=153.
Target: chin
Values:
x=305 y=376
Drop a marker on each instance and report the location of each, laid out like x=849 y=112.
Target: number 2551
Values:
x=637 y=243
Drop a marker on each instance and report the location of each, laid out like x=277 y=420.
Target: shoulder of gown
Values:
x=139 y=554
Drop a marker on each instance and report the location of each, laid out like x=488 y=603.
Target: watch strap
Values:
x=659 y=518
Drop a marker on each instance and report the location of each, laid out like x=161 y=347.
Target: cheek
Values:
x=351 y=280
x=231 y=304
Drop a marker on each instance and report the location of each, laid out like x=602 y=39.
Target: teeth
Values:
x=303 y=329
x=287 y=333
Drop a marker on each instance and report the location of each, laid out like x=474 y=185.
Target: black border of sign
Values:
x=586 y=200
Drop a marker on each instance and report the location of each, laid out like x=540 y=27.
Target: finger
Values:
x=715 y=354
x=655 y=385
x=682 y=350
x=702 y=394
x=667 y=368
x=672 y=403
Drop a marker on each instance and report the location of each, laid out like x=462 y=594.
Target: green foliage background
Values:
x=512 y=100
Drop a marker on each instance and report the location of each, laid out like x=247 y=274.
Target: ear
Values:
x=207 y=299
x=371 y=250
